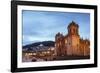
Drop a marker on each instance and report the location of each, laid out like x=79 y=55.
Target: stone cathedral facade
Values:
x=72 y=43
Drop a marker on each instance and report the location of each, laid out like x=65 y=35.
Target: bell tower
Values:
x=73 y=28
x=73 y=39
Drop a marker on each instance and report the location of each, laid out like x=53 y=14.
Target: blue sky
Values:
x=43 y=25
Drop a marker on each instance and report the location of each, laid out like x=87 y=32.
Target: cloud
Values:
x=43 y=25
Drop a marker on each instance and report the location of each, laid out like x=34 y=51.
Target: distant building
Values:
x=72 y=43
x=39 y=53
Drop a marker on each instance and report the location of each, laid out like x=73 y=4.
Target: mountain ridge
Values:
x=43 y=43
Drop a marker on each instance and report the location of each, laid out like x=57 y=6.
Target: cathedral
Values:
x=71 y=44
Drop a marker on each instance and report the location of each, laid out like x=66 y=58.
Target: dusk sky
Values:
x=44 y=25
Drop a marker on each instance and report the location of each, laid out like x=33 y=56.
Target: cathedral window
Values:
x=69 y=43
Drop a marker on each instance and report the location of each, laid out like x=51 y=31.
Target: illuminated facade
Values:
x=71 y=43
